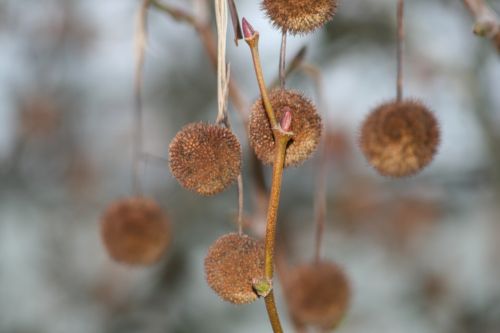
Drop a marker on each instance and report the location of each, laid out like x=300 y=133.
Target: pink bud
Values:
x=286 y=121
x=248 y=30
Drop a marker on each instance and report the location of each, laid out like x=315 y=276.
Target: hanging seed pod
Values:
x=318 y=294
x=306 y=127
x=205 y=158
x=232 y=263
x=135 y=231
x=299 y=16
x=400 y=138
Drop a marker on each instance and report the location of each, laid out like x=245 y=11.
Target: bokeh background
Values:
x=422 y=254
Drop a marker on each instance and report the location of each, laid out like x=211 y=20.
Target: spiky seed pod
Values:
x=400 y=138
x=306 y=127
x=231 y=265
x=318 y=294
x=299 y=16
x=205 y=158
x=135 y=231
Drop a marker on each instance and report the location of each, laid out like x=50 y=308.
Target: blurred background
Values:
x=422 y=254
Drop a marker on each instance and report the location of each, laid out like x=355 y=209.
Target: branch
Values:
x=487 y=22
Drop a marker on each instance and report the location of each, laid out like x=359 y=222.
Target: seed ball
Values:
x=318 y=294
x=135 y=231
x=205 y=158
x=231 y=265
x=299 y=16
x=400 y=138
x=306 y=127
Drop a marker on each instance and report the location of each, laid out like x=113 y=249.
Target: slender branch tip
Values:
x=248 y=30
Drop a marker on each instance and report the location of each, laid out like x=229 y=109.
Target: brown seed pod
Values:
x=318 y=294
x=231 y=265
x=299 y=16
x=205 y=158
x=306 y=127
x=400 y=138
x=135 y=231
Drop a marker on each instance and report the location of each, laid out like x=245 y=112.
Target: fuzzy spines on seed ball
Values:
x=135 y=231
x=299 y=16
x=318 y=294
x=306 y=127
x=205 y=158
x=231 y=265
x=400 y=138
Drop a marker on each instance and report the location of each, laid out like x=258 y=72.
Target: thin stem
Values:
x=282 y=69
x=272 y=211
x=253 y=43
x=320 y=202
x=291 y=66
x=137 y=137
x=273 y=313
x=240 y=204
x=473 y=6
x=281 y=139
x=140 y=47
x=400 y=39
x=482 y=12
x=487 y=22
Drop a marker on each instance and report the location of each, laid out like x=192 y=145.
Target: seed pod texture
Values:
x=231 y=265
x=400 y=138
x=318 y=294
x=135 y=231
x=306 y=127
x=299 y=16
x=205 y=158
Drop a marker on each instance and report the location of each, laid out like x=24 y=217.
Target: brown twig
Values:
x=281 y=141
x=281 y=138
x=400 y=40
x=252 y=39
x=487 y=22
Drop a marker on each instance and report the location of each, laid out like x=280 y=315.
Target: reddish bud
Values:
x=286 y=121
x=248 y=30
